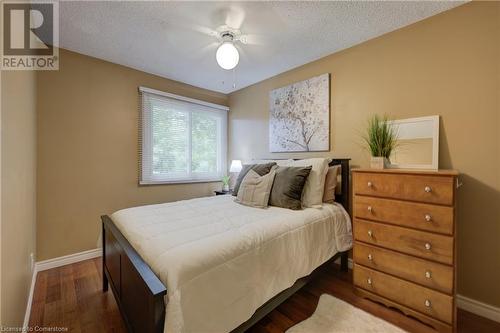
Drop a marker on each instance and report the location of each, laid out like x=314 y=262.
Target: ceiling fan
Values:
x=227 y=54
x=227 y=39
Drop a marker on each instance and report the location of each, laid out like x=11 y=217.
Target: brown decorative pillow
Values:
x=260 y=169
x=331 y=183
x=254 y=190
x=288 y=187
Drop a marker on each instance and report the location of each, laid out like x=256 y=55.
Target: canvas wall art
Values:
x=300 y=116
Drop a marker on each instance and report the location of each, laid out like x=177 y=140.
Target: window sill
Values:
x=174 y=182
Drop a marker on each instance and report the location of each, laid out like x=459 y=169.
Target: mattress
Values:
x=220 y=261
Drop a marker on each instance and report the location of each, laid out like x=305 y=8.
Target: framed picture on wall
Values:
x=299 y=116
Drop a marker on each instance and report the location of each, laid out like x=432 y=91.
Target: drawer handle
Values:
x=427 y=303
x=370 y=209
x=428 y=274
x=428 y=189
x=428 y=217
x=369 y=281
x=370 y=233
x=427 y=246
x=370 y=184
x=370 y=257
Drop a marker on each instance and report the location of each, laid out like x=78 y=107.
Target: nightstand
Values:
x=223 y=192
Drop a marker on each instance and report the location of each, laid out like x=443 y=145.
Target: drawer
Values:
x=419 y=243
x=421 y=271
x=422 y=188
x=410 y=214
x=421 y=299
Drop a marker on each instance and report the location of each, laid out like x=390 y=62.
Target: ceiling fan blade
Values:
x=209 y=48
x=234 y=17
x=205 y=53
x=189 y=26
x=252 y=39
x=204 y=30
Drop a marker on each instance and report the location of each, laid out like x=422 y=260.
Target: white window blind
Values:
x=182 y=140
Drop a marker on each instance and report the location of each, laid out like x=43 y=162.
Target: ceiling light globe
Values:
x=227 y=55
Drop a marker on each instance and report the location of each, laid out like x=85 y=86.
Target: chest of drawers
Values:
x=405 y=242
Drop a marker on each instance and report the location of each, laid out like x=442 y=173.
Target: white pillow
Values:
x=315 y=183
x=278 y=162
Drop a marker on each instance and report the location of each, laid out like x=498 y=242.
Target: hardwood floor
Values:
x=71 y=296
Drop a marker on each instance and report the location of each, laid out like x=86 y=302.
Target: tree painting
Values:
x=300 y=116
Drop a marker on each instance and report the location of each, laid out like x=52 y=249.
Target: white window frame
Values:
x=145 y=173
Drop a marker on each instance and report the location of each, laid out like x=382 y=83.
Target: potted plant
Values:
x=381 y=139
x=225 y=183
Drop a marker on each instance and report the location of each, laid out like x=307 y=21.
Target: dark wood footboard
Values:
x=137 y=290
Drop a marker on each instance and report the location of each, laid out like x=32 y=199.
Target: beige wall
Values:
x=18 y=187
x=446 y=65
x=87 y=150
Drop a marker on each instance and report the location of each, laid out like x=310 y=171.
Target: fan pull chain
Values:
x=234 y=78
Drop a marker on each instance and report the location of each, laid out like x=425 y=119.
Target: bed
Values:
x=226 y=265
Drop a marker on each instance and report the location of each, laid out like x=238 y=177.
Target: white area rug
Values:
x=336 y=316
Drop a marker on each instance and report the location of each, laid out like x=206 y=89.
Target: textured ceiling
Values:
x=172 y=39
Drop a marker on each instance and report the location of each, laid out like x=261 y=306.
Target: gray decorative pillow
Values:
x=260 y=169
x=254 y=190
x=288 y=187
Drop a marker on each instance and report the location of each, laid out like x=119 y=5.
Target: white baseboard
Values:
x=69 y=259
x=468 y=304
x=30 y=298
x=53 y=263
x=479 y=308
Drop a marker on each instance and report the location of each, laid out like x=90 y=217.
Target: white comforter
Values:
x=220 y=260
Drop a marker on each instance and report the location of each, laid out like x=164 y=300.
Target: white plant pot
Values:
x=225 y=188
x=379 y=162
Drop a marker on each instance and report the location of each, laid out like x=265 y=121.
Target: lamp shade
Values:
x=235 y=166
x=227 y=55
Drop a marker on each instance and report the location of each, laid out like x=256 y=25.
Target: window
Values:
x=183 y=140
